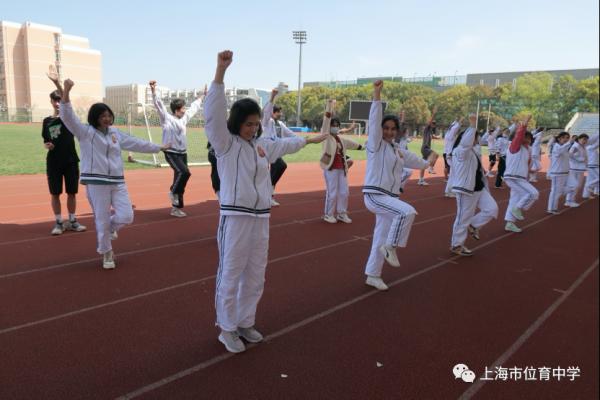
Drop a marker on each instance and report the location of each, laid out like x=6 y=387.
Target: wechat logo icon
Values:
x=461 y=371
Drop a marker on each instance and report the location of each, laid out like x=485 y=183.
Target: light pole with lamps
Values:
x=299 y=38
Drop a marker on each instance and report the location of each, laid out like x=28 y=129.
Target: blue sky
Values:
x=176 y=42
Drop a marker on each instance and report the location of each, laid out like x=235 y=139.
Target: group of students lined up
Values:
x=246 y=150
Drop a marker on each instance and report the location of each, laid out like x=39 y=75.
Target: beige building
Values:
x=26 y=51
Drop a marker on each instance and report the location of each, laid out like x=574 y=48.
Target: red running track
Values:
x=70 y=330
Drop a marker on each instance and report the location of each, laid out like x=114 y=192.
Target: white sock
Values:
x=58 y=218
x=72 y=217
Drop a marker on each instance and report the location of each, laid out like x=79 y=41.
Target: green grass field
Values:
x=22 y=150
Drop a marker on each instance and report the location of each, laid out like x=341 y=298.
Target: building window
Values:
x=482 y=82
x=514 y=85
x=497 y=82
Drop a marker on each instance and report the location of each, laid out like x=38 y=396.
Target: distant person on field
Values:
x=174 y=132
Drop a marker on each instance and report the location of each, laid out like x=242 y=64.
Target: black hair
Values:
x=527 y=133
x=240 y=111
x=387 y=118
x=96 y=110
x=582 y=136
x=176 y=104
x=276 y=109
x=55 y=95
x=562 y=134
x=335 y=121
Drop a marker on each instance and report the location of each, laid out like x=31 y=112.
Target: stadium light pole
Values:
x=300 y=39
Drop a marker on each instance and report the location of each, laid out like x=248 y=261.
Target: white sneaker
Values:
x=511 y=227
x=250 y=334
x=58 y=229
x=329 y=218
x=390 y=255
x=450 y=194
x=274 y=203
x=344 y=218
x=571 y=204
x=376 y=282
x=114 y=235
x=461 y=251
x=422 y=183
x=76 y=226
x=178 y=212
x=517 y=213
x=232 y=341
x=431 y=171
x=108 y=261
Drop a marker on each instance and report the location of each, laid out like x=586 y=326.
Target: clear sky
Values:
x=176 y=42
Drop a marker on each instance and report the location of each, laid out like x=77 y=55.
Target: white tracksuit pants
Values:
x=574 y=183
x=406 y=173
x=465 y=213
x=101 y=198
x=243 y=243
x=336 y=195
x=558 y=189
x=393 y=222
x=591 y=182
x=522 y=196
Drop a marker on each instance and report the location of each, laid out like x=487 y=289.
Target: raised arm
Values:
x=592 y=143
x=326 y=125
x=268 y=110
x=68 y=116
x=468 y=138
x=192 y=110
x=160 y=107
x=517 y=141
x=375 y=118
x=215 y=107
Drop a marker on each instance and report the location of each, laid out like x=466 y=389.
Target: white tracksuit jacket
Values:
x=243 y=165
x=385 y=161
x=174 y=129
x=101 y=161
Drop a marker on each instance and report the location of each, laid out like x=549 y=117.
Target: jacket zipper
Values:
x=255 y=173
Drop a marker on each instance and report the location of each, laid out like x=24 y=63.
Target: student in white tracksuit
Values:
x=469 y=183
x=385 y=162
x=492 y=150
x=274 y=128
x=174 y=131
x=536 y=154
x=245 y=202
x=577 y=168
x=558 y=151
x=522 y=193
x=449 y=139
x=102 y=167
x=334 y=164
x=591 y=187
x=403 y=140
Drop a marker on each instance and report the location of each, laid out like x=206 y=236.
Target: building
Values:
x=496 y=79
x=26 y=51
x=438 y=83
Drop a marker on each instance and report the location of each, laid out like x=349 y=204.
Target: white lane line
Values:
x=177 y=286
x=469 y=393
x=203 y=365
